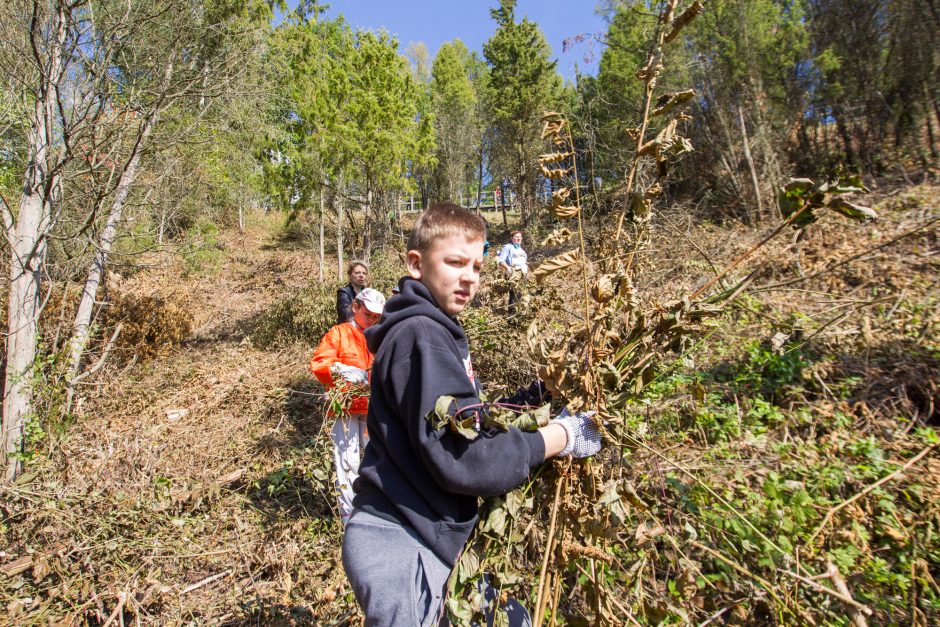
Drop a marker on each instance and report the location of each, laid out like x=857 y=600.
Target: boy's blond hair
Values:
x=442 y=220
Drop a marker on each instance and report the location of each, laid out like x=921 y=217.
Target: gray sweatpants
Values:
x=397 y=580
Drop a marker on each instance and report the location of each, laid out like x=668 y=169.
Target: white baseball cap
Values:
x=372 y=299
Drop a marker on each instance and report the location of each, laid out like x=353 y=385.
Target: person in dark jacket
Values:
x=417 y=495
x=358 y=273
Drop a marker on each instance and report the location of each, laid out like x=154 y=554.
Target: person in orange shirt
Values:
x=342 y=356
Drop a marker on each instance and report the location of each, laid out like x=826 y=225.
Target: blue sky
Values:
x=437 y=21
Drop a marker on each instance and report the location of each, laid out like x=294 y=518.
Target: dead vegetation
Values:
x=195 y=486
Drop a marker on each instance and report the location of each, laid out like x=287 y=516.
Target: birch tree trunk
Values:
x=27 y=238
x=322 y=255
x=82 y=324
x=755 y=183
x=340 y=271
x=367 y=228
x=28 y=256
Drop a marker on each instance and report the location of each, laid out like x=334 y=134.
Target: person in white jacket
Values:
x=513 y=257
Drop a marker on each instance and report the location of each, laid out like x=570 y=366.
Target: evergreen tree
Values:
x=522 y=84
x=380 y=132
x=616 y=96
x=310 y=59
x=751 y=90
x=454 y=104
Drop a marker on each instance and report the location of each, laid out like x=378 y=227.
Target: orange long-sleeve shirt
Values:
x=346 y=344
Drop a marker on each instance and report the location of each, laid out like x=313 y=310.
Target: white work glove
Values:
x=350 y=373
x=584 y=438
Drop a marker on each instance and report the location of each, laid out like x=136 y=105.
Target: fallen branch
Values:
x=104 y=355
x=894 y=475
x=832 y=571
x=550 y=545
x=830 y=268
x=232 y=477
x=122 y=599
x=206 y=581
x=26 y=562
x=17 y=566
x=847 y=599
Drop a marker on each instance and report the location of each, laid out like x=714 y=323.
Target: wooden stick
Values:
x=750 y=251
x=555 y=597
x=894 y=475
x=122 y=598
x=766 y=585
x=836 y=577
x=206 y=581
x=540 y=599
x=626 y=612
x=848 y=600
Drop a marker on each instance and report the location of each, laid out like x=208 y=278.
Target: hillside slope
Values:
x=195 y=487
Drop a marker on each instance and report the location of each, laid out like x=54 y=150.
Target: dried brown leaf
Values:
x=565 y=212
x=557 y=237
x=560 y=262
x=668 y=102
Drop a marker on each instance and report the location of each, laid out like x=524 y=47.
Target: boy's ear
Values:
x=414 y=264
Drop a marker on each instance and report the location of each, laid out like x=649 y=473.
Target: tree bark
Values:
x=843 y=129
x=755 y=183
x=26 y=233
x=367 y=225
x=28 y=256
x=340 y=272
x=322 y=252
x=927 y=113
x=82 y=325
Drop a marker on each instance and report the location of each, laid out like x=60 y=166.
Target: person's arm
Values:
x=344 y=311
x=325 y=355
x=502 y=258
x=423 y=369
x=554 y=435
x=556 y=438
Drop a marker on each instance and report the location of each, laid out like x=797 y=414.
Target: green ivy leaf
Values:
x=466 y=427
x=499 y=418
x=460 y=609
x=532 y=419
x=496 y=519
x=442 y=410
x=468 y=566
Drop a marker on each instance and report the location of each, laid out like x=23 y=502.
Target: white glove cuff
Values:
x=569 y=432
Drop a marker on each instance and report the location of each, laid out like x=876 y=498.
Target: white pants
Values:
x=350 y=436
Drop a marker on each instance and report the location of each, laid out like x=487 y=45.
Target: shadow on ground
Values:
x=303 y=483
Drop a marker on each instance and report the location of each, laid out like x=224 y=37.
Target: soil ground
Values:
x=195 y=487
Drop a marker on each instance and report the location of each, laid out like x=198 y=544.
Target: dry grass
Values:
x=195 y=487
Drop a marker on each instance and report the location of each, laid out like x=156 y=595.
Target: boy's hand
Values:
x=584 y=438
x=350 y=373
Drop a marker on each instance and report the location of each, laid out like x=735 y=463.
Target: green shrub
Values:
x=304 y=317
x=308 y=315
x=202 y=250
